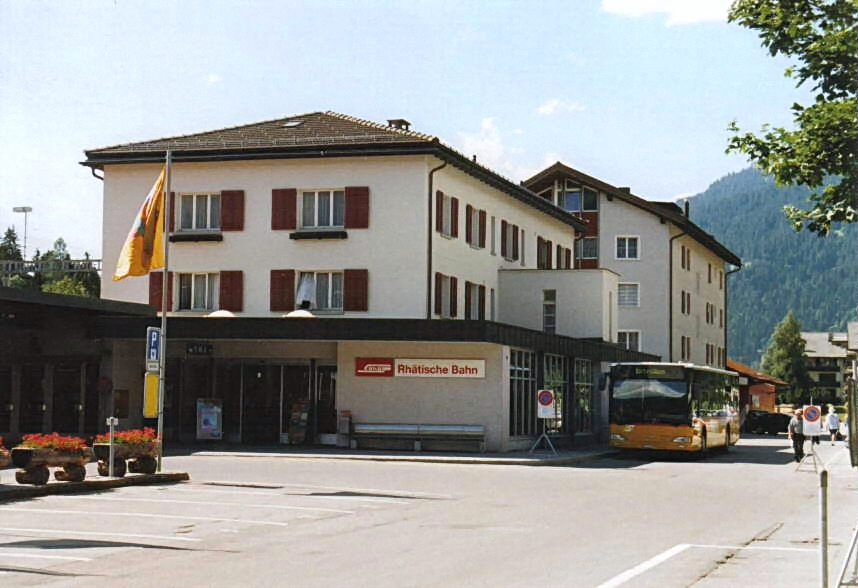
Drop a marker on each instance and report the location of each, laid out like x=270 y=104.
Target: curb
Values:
x=476 y=460
x=19 y=492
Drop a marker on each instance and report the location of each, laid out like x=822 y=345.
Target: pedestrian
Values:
x=795 y=433
x=832 y=421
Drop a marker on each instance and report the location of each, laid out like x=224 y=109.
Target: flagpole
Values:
x=165 y=289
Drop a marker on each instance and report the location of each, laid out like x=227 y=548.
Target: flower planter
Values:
x=33 y=464
x=142 y=458
x=5 y=458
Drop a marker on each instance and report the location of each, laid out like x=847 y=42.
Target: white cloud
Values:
x=491 y=151
x=679 y=12
x=215 y=78
x=556 y=105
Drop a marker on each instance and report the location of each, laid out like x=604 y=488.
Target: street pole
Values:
x=823 y=526
x=26 y=210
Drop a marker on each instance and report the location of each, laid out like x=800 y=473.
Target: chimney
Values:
x=625 y=189
x=399 y=123
x=687 y=209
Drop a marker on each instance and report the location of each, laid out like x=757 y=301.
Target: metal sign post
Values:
x=111 y=422
x=546 y=408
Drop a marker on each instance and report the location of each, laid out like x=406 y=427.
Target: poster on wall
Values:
x=209 y=425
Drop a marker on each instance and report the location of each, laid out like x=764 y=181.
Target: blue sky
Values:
x=635 y=92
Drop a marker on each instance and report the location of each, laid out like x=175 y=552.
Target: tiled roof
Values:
x=314 y=129
x=820 y=345
x=750 y=372
x=665 y=210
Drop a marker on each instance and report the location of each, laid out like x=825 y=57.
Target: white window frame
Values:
x=494 y=237
x=476 y=230
x=472 y=300
x=447 y=215
x=625 y=338
x=324 y=290
x=445 y=296
x=202 y=290
x=579 y=247
x=549 y=311
x=212 y=205
x=313 y=216
x=620 y=295
x=626 y=239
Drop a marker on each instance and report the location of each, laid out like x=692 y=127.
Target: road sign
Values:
x=812 y=416
x=545 y=404
x=153 y=349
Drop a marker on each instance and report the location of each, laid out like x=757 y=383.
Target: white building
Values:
x=672 y=275
x=380 y=232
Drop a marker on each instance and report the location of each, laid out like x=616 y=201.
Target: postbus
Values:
x=673 y=407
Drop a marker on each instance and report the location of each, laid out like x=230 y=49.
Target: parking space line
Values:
x=99 y=513
x=643 y=567
x=207 y=503
x=94 y=534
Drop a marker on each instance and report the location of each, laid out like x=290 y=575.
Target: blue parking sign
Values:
x=153 y=344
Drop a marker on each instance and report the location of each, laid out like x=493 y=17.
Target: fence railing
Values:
x=9 y=267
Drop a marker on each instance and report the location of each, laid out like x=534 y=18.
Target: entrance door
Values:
x=326 y=399
x=32 y=399
x=296 y=389
x=261 y=398
x=67 y=399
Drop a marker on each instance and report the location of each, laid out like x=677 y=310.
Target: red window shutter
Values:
x=356 y=289
x=454 y=296
x=172 y=208
x=284 y=209
x=514 y=229
x=439 y=211
x=469 y=225
x=558 y=260
x=483 y=229
x=468 y=287
x=540 y=253
x=454 y=213
x=232 y=210
x=568 y=264
x=439 y=292
x=156 y=289
x=548 y=255
x=504 y=229
x=282 y=291
x=482 y=303
x=232 y=290
x=357 y=207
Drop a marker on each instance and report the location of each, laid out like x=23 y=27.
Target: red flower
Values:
x=132 y=437
x=52 y=441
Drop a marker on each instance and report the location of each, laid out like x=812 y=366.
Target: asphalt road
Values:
x=747 y=518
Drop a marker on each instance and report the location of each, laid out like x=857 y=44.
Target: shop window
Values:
x=549 y=311
x=522 y=393
x=583 y=396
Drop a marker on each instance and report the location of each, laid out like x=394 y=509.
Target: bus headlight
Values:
x=617 y=437
x=682 y=440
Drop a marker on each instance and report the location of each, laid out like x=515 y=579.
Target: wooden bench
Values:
x=419 y=437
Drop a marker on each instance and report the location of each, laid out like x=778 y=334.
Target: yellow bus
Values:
x=673 y=407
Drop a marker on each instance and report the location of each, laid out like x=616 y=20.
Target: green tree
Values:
x=784 y=359
x=822 y=35
x=68 y=286
x=9 y=248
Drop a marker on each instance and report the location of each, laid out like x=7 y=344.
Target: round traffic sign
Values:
x=546 y=397
x=812 y=414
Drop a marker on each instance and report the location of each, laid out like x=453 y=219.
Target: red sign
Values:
x=377 y=367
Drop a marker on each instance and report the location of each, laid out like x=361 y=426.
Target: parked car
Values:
x=769 y=423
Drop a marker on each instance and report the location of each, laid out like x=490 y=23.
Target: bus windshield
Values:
x=651 y=400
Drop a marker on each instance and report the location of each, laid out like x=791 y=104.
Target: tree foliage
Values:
x=822 y=35
x=9 y=248
x=56 y=273
x=784 y=358
x=67 y=285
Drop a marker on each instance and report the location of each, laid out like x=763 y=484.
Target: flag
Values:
x=144 y=247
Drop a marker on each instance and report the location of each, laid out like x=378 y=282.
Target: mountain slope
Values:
x=782 y=269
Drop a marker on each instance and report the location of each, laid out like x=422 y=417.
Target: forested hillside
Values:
x=815 y=277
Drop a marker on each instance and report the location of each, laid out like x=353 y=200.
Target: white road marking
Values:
x=17 y=554
x=647 y=565
x=206 y=503
x=98 y=513
x=94 y=534
x=676 y=550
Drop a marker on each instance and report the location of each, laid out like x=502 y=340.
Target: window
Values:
x=574 y=198
x=447 y=215
x=475 y=227
x=583 y=396
x=199 y=212
x=629 y=339
x=475 y=301
x=323 y=208
x=509 y=241
x=543 y=253
x=710 y=273
x=685 y=351
x=587 y=248
x=492 y=316
x=549 y=311
x=494 y=237
x=627 y=248
x=322 y=290
x=628 y=295
x=522 y=393
x=685 y=302
x=556 y=378
x=721 y=317
x=446 y=295
x=198 y=292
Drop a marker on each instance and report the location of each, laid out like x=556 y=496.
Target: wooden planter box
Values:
x=5 y=459
x=142 y=458
x=33 y=464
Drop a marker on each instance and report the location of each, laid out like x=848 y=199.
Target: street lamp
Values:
x=26 y=210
